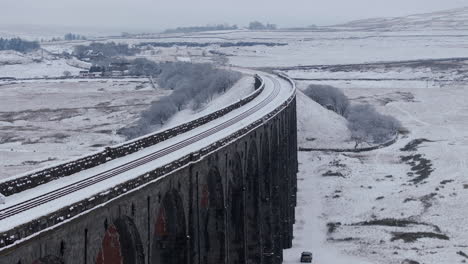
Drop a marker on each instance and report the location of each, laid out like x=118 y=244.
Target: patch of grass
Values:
x=98 y=145
x=414 y=144
x=332 y=226
x=388 y=222
x=446 y=181
x=333 y=174
x=414 y=236
x=9 y=138
x=420 y=166
x=426 y=200
x=395 y=223
x=336 y=163
x=35 y=162
x=463 y=254
x=409 y=261
x=105 y=131
x=346 y=239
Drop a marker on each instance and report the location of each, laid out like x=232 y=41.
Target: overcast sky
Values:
x=161 y=14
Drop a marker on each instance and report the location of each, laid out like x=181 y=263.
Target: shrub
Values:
x=329 y=97
x=144 y=67
x=364 y=122
x=367 y=125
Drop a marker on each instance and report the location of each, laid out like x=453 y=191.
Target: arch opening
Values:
x=235 y=213
x=265 y=202
x=276 y=197
x=213 y=219
x=170 y=237
x=252 y=212
x=121 y=244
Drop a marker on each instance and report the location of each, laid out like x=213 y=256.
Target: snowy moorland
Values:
x=314 y=47
x=37 y=64
x=47 y=122
x=400 y=204
x=442 y=20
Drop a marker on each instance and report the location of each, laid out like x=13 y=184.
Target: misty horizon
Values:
x=144 y=15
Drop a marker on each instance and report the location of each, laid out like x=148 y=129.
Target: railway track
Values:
x=89 y=181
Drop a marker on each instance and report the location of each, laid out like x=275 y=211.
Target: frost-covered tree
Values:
x=18 y=44
x=160 y=111
x=256 y=25
x=67 y=74
x=192 y=84
x=144 y=67
x=329 y=97
x=108 y=49
x=364 y=122
x=71 y=36
x=368 y=125
x=201 y=28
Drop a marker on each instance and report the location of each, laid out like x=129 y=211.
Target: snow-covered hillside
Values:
x=319 y=127
x=453 y=19
x=37 y=64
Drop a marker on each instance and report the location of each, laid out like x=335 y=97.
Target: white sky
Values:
x=158 y=14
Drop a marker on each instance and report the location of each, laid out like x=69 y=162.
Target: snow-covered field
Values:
x=43 y=123
x=402 y=202
x=317 y=48
x=38 y=64
x=405 y=202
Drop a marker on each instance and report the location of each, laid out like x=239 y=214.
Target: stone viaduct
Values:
x=232 y=205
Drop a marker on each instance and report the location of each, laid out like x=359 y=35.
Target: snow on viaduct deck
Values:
x=218 y=189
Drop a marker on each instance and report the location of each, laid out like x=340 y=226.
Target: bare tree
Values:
x=67 y=74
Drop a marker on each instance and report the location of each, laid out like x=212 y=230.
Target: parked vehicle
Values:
x=306 y=257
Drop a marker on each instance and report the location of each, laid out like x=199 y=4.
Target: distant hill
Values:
x=453 y=19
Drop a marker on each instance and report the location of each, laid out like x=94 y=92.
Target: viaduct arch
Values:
x=121 y=243
x=170 y=236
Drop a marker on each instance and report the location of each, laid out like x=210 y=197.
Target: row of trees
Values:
x=108 y=49
x=145 y=67
x=207 y=44
x=193 y=86
x=18 y=44
x=256 y=25
x=201 y=28
x=71 y=36
x=364 y=122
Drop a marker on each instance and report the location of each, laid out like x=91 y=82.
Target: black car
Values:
x=306 y=257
